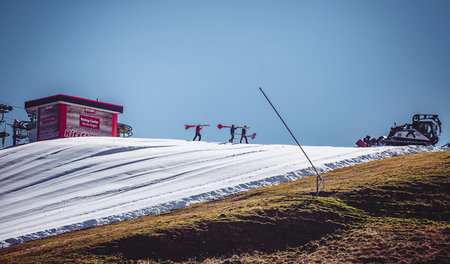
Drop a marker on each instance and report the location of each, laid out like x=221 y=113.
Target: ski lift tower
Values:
x=63 y=116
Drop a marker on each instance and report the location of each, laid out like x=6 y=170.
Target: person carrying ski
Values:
x=243 y=132
x=367 y=141
x=232 y=129
x=197 y=132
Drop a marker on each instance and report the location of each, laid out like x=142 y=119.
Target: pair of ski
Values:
x=189 y=126
x=220 y=126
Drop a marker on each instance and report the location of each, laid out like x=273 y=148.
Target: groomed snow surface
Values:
x=51 y=187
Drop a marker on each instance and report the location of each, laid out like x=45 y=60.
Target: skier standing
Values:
x=197 y=132
x=232 y=129
x=244 y=131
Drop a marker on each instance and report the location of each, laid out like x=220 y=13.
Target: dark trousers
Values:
x=243 y=136
x=199 y=136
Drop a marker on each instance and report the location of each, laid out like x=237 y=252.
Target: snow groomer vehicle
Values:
x=424 y=130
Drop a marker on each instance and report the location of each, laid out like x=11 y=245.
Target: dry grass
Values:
x=385 y=211
x=385 y=241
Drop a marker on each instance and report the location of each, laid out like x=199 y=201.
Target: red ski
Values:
x=189 y=126
x=220 y=126
x=252 y=136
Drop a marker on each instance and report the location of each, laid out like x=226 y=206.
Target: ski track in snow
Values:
x=56 y=186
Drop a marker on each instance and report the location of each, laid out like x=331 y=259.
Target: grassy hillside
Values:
x=389 y=211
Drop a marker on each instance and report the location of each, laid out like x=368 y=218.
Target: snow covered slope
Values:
x=56 y=186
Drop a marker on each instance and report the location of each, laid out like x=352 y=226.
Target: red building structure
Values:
x=63 y=116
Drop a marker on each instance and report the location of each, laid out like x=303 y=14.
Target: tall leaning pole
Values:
x=319 y=179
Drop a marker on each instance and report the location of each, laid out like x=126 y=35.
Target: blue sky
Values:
x=336 y=70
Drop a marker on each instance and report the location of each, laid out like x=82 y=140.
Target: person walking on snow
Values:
x=244 y=131
x=232 y=129
x=197 y=132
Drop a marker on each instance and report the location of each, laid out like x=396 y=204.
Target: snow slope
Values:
x=56 y=186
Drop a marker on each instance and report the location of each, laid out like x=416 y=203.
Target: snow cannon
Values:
x=124 y=130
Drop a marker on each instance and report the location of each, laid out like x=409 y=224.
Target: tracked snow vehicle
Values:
x=424 y=130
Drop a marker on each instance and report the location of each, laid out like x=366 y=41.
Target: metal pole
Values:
x=319 y=178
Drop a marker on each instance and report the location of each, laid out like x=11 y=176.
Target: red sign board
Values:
x=89 y=122
x=50 y=119
x=89 y=111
